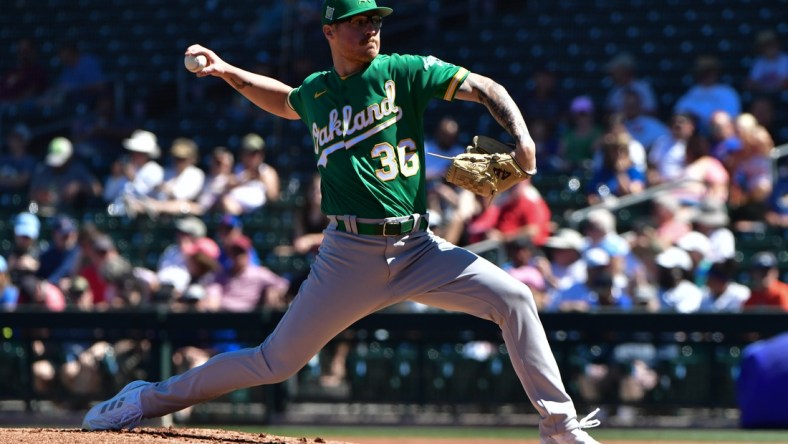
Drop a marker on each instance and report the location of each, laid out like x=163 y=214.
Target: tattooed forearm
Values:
x=503 y=109
x=239 y=85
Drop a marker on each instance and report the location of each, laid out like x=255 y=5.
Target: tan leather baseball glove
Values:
x=486 y=168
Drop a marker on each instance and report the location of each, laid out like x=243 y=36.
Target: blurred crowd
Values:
x=711 y=157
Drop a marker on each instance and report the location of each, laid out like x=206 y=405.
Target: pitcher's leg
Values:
x=334 y=296
x=475 y=286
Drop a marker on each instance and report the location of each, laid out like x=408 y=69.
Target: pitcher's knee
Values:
x=280 y=366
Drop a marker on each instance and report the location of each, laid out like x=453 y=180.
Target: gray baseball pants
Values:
x=356 y=275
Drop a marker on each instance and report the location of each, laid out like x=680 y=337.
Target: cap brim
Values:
x=382 y=10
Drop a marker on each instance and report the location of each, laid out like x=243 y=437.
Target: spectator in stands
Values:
x=16 y=164
x=9 y=294
x=98 y=135
x=617 y=175
x=708 y=178
x=81 y=78
x=698 y=246
x=124 y=289
x=777 y=213
x=637 y=153
x=708 y=94
x=96 y=250
x=600 y=231
x=245 y=287
x=727 y=144
x=520 y=253
x=676 y=292
x=769 y=72
x=711 y=218
x=27 y=228
x=63 y=184
x=220 y=173
x=544 y=100
x=229 y=227
x=202 y=263
x=562 y=266
x=115 y=182
x=27 y=79
x=722 y=293
x=443 y=142
x=666 y=158
x=622 y=71
x=643 y=127
x=183 y=181
x=34 y=292
x=577 y=143
x=669 y=220
x=546 y=141
x=763 y=110
x=519 y=212
x=172 y=269
x=767 y=289
x=59 y=260
x=255 y=182
x=598 y=290
x=752 y=176
x=144 y=175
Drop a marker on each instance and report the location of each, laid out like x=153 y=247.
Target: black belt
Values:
x=391 y=228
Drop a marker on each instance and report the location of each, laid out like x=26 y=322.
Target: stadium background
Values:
x=140 y=46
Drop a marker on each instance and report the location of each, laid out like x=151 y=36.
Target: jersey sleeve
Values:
x=433 y=76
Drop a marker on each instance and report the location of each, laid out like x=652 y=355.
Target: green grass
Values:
x=658 y=435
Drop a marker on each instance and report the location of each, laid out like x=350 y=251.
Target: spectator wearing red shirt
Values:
x=767 y=290
x=522 y=213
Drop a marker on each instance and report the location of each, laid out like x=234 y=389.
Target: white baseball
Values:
x=195 y=63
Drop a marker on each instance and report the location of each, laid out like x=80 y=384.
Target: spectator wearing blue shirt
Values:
x=777 y=214
x=9 y=294
x=60 y=259
x=229 y=227
x=617 y=176
x=81 y=77
x=645 y=128
x=599 y=290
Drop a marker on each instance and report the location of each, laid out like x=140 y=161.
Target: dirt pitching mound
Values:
x=148 y=436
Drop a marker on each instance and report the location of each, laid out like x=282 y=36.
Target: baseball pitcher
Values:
x=365 y=116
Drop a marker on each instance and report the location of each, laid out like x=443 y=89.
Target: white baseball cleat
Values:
x=575 y=436
x=123 y=411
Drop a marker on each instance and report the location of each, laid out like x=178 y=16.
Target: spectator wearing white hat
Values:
x=143 y=173
x=63 y=183
x=676 y=292
x=711 y=218
x=562 y=267
x=16 y=164
x=698 y=246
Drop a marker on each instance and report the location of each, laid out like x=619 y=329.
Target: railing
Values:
x=417 y=359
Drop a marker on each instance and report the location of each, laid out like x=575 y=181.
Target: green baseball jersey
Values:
x=368 y=132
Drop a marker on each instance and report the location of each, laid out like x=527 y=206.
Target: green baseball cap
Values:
x=335 y=10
